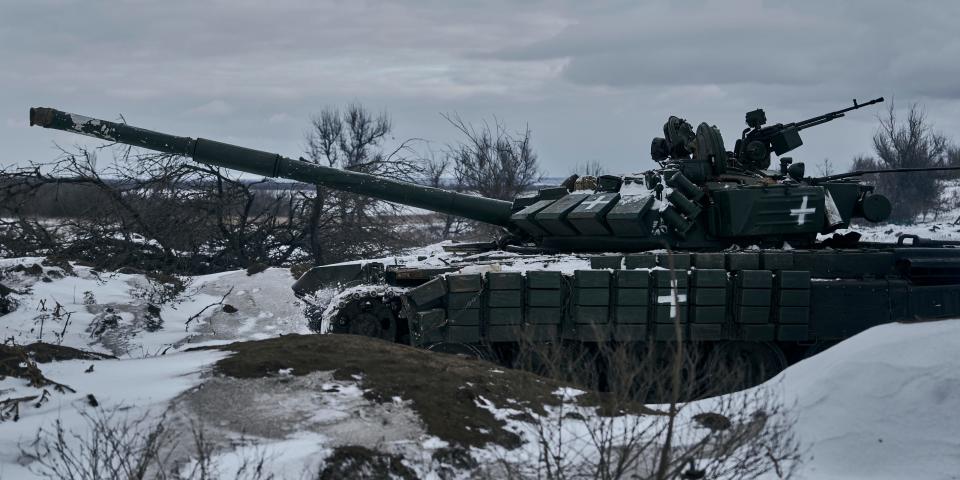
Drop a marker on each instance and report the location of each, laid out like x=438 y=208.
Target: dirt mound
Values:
x=360 y=462
x=15 y=360
x=443 y=389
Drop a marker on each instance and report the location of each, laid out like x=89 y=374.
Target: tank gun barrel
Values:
x=487 y=210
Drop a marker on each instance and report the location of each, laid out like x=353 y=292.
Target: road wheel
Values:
x=369 y=317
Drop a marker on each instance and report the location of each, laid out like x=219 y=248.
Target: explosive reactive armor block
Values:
x=589 y=217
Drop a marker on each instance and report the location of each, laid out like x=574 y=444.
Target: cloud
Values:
x=212 y=108
x=278 y=118
x=880 y=45
x=594 y=80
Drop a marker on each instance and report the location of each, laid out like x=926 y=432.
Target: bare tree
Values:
x=492 y=161
x=825 y=168
x=117 y=445
x=340 y=225
x=592 y=168
x=613 y=434
x=908 y=143
x=146 y=211
x=439 y=172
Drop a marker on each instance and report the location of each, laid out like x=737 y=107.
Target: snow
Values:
x=144 y=385
x=883 y=404
x=266 y=308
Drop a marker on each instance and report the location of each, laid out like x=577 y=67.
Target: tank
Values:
x=710 y=248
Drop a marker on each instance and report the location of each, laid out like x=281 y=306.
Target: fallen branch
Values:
x=186 y=326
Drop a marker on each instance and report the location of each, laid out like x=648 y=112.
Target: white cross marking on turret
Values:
x=673 y=299
x=602 y=199
x=803 y=211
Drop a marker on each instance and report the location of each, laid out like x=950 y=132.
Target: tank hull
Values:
x=794 y=302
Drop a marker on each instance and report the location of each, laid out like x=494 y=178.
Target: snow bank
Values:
x=88 y=300
x=135 y=386
x=883 y=404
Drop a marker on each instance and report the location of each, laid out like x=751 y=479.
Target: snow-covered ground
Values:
x=883 y=404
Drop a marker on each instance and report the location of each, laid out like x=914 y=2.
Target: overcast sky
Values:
x=593 y=80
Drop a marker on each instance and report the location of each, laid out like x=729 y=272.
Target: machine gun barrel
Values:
x=819 y=119
x=487 y=210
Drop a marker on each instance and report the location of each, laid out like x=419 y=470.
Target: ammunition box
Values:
x=755 y=279
x=463 y=283
x=505 y=316
x=633 y=278
x=592 y=278
x=428 y=293
x=757 y=333
x=743 y=261
x=675 y=261
x=752 y=315
x=662 y=314
x=590 y=315
x=544 y=298
x=706 y=332
x=544 y=316
x=614 y=262
x=632 y=296
x=709 y=278
x=793 y=280
x=591 y=296
x=709 y=314
x=709 y=296
x=505 y=298
x=776 y=260
x=544 y=279
x=708 y=260
x=464 y=300
x=665 y=278
x=640 y=260
x=461 y=334
x=793 y=298
x=631 y=315
x=470 y=316
x=753 y=297
x=431 y=323
x=504 y=280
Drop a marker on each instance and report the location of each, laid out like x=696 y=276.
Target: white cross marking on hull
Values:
x=803 y=211
x=673 y=299
x=595 y=202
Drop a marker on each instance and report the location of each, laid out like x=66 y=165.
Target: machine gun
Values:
x=757 y=142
